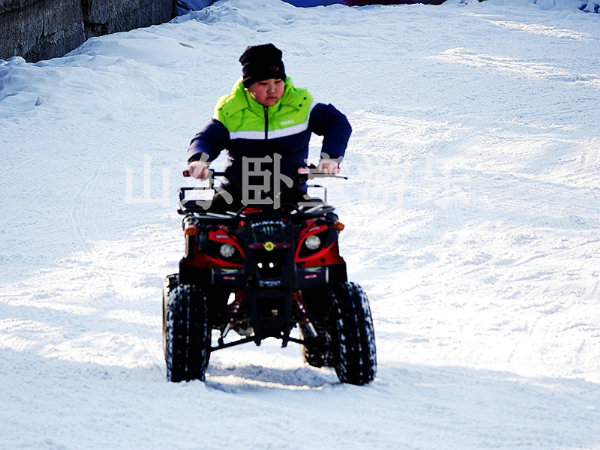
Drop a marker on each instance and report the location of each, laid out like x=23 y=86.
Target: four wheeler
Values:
x=260 y=272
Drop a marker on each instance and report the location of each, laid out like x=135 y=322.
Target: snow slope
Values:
x=472 y=221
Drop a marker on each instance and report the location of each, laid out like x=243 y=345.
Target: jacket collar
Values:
x=241 y=99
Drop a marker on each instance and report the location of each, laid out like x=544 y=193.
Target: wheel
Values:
x=354 y=352
x=169 y=284
x=187 y=334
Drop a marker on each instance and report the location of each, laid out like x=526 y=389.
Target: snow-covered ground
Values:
x=472 y=220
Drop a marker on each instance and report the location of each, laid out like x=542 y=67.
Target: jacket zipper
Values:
x=266 y=122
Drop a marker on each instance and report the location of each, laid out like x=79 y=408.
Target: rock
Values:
x=43 y=29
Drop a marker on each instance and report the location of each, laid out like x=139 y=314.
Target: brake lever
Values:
x=311 y=172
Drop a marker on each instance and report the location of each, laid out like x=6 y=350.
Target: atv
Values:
x=260 y=272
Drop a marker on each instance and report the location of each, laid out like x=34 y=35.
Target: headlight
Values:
x=312 y=242
x=227 y=250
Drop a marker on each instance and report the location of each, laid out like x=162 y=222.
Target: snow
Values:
x=472 y=219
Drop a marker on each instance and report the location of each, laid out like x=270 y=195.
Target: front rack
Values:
x=309 y=208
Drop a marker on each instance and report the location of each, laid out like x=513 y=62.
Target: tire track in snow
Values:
x=76 y=205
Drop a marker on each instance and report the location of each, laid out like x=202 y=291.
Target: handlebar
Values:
x=305 y=173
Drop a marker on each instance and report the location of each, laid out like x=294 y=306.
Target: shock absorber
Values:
x=240 y=298
x=301 y=306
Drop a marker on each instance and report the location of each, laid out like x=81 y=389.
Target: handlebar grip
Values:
x=186 y=173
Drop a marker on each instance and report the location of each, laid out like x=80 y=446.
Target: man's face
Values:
x=267 y=92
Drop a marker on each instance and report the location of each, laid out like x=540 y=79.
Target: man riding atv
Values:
x=263 y=259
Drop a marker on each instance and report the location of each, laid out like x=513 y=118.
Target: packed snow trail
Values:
x=472 y=219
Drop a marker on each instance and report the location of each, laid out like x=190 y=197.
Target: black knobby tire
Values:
x=188 y=334
x=354 y=352
x=169 y=284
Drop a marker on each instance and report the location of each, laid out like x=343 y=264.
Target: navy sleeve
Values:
x=327 y=121
x=213 y=138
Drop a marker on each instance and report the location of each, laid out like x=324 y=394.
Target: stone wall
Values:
x=43 y=29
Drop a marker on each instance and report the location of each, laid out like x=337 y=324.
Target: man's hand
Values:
x=199 y=169
x=328 y=166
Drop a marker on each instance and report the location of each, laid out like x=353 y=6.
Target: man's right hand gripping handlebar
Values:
x=197 y=169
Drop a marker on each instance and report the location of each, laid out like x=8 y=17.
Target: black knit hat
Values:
x=261 y=62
